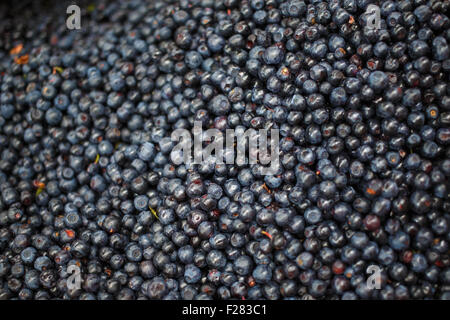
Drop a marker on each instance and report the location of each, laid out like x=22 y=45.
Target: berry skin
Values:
x=192 y=274
x=399 y=241
x=418 y=263
x=215 y=43
x=262 y=273
x=378 y=80
x=273 y=55
x=28 y=255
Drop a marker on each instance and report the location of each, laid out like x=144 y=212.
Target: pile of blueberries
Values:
x=93 y=207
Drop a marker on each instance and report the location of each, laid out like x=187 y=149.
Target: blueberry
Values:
x=378 y=80
x=262 y=274
x=215 y=43
x=133 y=253
x=243 y=265
x=28 y=255
x=146 y=151
x=317 y=288
x=219 y=105
x=418 y=263
x=273 y=55
x=313 y=215
x=305 y=260
x=42 y=263
x=156 y=288
x=194 y=59
x=192 y=274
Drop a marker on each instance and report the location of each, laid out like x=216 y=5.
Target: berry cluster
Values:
x=87 y=181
